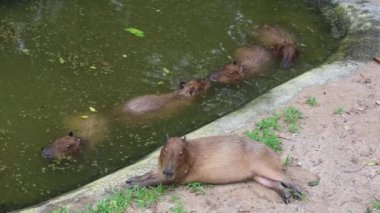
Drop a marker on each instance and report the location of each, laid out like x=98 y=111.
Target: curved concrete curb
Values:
x=363 y=19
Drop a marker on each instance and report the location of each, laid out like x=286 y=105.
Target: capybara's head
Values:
x=193 y=87
x=173 y=155
x=230 y=74
x=288 y=53
x=65 y=146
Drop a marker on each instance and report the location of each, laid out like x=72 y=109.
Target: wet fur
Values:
x=219 y=160
x=68 y=145
x=248 y=62
x=281 y=43
x=167 y=102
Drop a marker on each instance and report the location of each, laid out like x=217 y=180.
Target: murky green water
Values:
x=57 y=58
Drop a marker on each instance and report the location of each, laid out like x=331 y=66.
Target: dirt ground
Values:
x=338 y=148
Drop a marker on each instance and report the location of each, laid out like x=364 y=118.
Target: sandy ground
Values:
x=337 y=148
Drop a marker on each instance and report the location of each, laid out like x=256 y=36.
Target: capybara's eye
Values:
x=180 y=154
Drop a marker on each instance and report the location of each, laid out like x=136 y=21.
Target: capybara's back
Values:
x=252 y=59
x=226 y=159
x=281 y=42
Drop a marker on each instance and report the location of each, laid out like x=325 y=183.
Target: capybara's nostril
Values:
x=168 y=173
x=214 y=77
x=47 y=153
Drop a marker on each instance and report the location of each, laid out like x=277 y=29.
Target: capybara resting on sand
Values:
x=166 y=102
x=219 y=160
x=248 y=61
x=280 y=42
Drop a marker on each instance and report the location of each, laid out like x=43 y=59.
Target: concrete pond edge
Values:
x=356 y=21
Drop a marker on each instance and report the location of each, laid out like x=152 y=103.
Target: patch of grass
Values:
x=312 y=101
x=198 y=188
x=266 y=136
x=178 y=206
x=117 y=203
x=270 y=122
x=376 y=205
x=293 y=128
x=339 y=110
x=265 y=129
x=288 y=160
x=60 y=211
x=292 y=115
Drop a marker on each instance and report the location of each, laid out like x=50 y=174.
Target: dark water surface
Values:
x=58 y=58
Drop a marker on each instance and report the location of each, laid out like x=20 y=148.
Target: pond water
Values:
x=58 y=58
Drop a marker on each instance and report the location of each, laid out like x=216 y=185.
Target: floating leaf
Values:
x=160 y=82
x=314 y=182
x=373 y=164
x=84 y=116
x=92 y=109
x=61 y=60
x=124 y=55
x=135 y=32
x=165 y=70
x=93 y=67
x=26 y=51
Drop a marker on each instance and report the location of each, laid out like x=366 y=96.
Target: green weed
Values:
x=178 y=206
x=265 y=129
x=292 y=115
x=312 y=101
x=198 y=188
x=339 y=110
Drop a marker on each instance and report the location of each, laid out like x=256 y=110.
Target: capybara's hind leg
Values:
x=148 y=179
x=275 y=185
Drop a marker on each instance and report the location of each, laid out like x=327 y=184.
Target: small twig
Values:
x=357 y=170
x=354 y=200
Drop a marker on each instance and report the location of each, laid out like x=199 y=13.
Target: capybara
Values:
x=167 y=102
x=280 y=42
x=248 y=61
x=219 y=160
x=68 y=145
x=85 y=131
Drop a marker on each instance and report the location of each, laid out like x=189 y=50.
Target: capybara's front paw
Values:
x=133 y=181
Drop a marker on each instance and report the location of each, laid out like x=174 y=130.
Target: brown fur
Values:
x=218 y=160
x=281 y=43
x=68 y=145
x=92 y=128
x=248 y=61
x=171 y=101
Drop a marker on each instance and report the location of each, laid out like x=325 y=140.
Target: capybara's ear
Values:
x=234 y=62
x=182 y=84
x=71 y=134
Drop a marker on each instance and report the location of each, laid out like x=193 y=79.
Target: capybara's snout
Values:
x=168 y=172
x=214 y=77
x=48 y=153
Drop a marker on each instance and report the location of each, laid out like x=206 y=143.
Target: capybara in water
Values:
x=219 y=160
x=88 y=129
x=170 y=101
x=248 y=61
x=280 y=42
x=68 y=145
